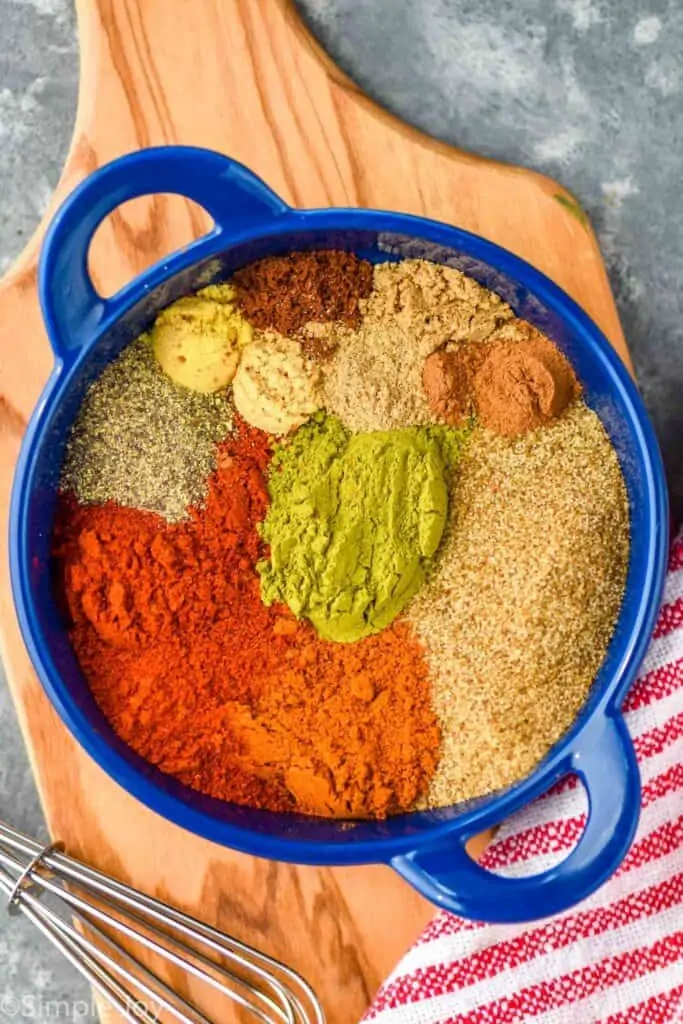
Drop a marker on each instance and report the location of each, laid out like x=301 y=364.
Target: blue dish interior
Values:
x=602 y=391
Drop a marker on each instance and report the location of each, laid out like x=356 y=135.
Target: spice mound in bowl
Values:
x=341 y=539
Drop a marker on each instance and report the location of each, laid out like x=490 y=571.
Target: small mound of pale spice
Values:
x=141 y=440
x=518 y=613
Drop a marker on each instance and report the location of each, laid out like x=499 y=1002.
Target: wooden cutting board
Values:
x=245 y=77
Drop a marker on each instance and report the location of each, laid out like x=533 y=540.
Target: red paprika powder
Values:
x=237 y=700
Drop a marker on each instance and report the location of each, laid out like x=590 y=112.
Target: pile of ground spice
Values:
x=235 y=699
x=373 y=379
x=515 y=381
x=355 y=522
x=141 y=440
x=448 y=382
x=286 y=292
x=519 y=611
x=524 y=384
x=276 y=387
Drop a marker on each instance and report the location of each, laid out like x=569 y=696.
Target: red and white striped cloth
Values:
x=616 y=958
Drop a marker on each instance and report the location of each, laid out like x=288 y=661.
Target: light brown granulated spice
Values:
x=434 y=300
x=519 y=611
x=373 y=381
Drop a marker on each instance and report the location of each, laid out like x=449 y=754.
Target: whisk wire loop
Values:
x=25 y=879
x=99 y=907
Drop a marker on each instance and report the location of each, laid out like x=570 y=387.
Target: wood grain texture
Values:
x=244 y=77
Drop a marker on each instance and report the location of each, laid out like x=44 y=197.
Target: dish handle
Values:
x=605 y=762
x=235 y=198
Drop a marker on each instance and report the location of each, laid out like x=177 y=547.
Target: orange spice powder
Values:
x=236 y=700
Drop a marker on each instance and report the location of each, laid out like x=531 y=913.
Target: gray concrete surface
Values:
x=590 y=91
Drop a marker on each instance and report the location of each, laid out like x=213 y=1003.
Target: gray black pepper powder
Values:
x=140 y=440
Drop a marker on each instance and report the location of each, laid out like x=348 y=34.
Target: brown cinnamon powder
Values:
x=523 y=384
x=448 y=382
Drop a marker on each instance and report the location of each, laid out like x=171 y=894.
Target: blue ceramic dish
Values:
x=86 y=332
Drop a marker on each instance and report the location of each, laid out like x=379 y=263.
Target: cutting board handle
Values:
x=604 y=760
x=234 y=197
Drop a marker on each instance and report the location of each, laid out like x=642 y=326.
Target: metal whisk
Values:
x=93 y=911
